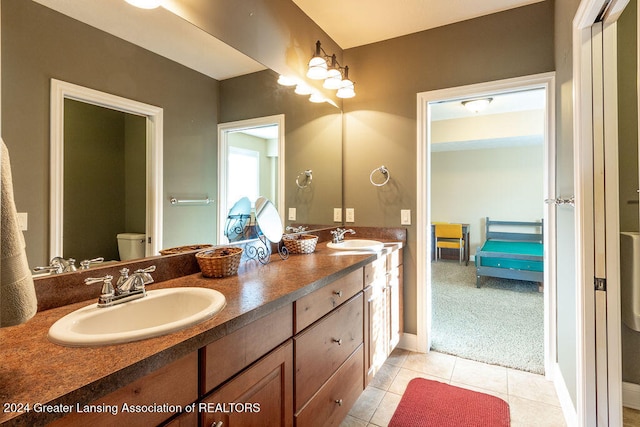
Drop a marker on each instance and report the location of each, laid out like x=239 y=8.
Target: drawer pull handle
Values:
x=338 y=293
x=339 y=402
x=216 y=424
x=338 y=341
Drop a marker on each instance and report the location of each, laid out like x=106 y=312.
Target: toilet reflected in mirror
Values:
x=131 y=246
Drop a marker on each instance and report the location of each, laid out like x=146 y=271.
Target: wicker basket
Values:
x=300 y=244
x=219 y=262
x=181 y=249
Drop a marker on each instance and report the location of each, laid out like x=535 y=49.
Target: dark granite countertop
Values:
x=34 y=370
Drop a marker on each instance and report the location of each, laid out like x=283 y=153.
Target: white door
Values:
x=597 y=216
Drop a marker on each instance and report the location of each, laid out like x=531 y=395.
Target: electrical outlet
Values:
x=337 y=215
x=292 y=214
x=405 y=217
x=351 y=215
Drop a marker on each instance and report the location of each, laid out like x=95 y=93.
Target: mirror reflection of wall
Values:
x=104 y=179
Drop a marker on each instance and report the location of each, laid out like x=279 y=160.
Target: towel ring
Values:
x=384 y=171
x=308 y=175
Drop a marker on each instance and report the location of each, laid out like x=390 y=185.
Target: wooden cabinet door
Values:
x=262 y=395
x=377 y=331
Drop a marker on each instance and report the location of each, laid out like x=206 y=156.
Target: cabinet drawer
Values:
x=232 y=353
x=313 y=306
x=174 y=384
x=323 y=347
x=334 y=400
x=262 y=395
x=375 y=270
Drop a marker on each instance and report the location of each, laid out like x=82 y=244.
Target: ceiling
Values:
x=368 y=21
x=352 y=23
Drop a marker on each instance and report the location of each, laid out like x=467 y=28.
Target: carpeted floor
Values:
x=501 y=323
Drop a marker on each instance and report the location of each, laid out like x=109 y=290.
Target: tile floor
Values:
x=532 y=399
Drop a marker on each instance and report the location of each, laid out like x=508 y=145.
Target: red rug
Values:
x=432 y=403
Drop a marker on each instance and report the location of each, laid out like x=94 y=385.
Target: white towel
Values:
x=18 y=301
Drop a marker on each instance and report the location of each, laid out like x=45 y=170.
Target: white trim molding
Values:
x=544 y=81
x=59 y=92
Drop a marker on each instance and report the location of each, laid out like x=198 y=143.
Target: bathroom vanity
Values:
x=296 y=344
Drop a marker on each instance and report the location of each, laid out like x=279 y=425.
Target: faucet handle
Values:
x=84 y=265
x=107 y=287
x=149 y=269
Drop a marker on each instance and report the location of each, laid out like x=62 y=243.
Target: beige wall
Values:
x=380 y=122
x=500 y=183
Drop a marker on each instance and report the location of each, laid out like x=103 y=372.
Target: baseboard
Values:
x=568 y=409
x=408 y=342
x=631 y=395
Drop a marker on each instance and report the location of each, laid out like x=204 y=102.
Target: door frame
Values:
x=61 y=90
x=423 y=211
x=224 y=129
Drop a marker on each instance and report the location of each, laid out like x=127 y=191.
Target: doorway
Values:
x=487 y=164
x=426 y=101
x=61 y=91
x=250 y=164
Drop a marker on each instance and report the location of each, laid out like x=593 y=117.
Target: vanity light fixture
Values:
x=347 y=89
x=287 y=81
x=145 y=4
x=318 y=64
x=303 y=89
x=477 y=105
x=317 y=98
x=327 y=68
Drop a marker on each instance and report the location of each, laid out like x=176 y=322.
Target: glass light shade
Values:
x=303 y=89
x=317 y=98
x=347 y=90
x=333 y=80
x=317 y=68
x=145 y=4
x=287 y=81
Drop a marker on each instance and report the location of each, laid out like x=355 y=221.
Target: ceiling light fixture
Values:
x=145 y=4
x=477 y=105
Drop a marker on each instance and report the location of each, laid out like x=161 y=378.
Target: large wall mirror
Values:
x=47 y=39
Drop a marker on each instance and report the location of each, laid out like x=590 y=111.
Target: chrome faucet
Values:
x=299 y=229
x=128 y=287
x=58 y=265
x=338 y=234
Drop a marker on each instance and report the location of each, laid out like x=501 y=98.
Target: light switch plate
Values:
x=337 y=215
x=292 y=214
x=23 y=221
x=405 y=217
x=350 y=214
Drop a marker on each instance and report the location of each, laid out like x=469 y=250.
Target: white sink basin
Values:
x=357 y=245
x=161 y=312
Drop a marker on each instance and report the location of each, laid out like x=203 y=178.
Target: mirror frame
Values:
x=223 y=143
x=60 y=91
